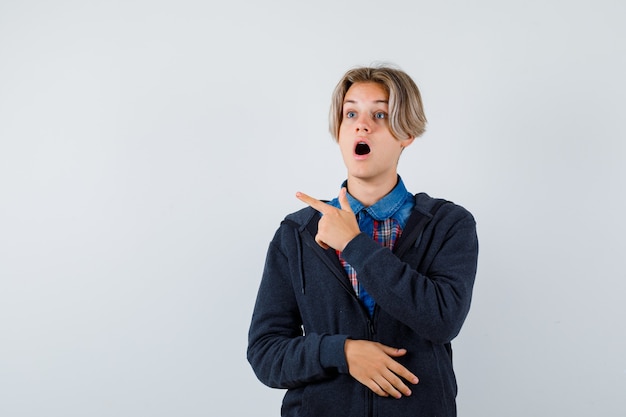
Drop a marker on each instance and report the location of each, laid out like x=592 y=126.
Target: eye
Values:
x=380 y=115
x=350 y=114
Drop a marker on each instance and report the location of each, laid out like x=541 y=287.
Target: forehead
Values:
x=366 y=92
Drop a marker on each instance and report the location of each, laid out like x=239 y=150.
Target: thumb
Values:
x=343 y=200
x=394 y=352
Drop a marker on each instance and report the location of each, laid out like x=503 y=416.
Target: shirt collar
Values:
x=384 y=208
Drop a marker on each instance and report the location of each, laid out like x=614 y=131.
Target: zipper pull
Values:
x=371 y=326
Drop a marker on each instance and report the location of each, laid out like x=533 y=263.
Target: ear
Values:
x=406 y=142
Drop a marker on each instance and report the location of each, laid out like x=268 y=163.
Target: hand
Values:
x=337 y=227
x=372 y=364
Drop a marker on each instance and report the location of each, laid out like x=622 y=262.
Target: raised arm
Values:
x=430 y=290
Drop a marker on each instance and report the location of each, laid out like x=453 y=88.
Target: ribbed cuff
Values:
x=332 y=352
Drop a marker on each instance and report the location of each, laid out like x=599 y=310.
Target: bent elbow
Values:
x=446 y=325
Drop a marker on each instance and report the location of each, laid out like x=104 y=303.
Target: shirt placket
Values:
x=366 y=225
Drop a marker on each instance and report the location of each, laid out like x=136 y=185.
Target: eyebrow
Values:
x=375 y=101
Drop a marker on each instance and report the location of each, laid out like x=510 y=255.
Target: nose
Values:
x=362 y=125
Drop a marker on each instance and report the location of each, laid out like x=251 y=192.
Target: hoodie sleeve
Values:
x=281 y=355
x=435 y=301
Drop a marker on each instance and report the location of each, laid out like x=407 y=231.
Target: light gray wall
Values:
x=149 y=149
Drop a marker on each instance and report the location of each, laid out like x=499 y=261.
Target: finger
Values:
x=313 y=202
x=404 y=373
x=393 y=352
x=398 y=369
x=343 y=200
x=393 y=385
x=321 y=243
x=376 y=388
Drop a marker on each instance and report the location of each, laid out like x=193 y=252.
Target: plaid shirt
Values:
x=384 y=221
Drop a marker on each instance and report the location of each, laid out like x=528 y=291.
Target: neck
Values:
x=369 y=192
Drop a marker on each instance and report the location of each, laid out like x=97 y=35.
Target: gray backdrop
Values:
x=149 y=149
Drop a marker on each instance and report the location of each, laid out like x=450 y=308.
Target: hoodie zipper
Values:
x=371 y=337
x=339 y=274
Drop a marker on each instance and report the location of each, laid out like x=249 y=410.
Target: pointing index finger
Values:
x=313 y=202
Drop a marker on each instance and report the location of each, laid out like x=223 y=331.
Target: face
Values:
x=370 y=152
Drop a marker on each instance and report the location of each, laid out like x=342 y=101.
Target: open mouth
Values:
x=362 y=148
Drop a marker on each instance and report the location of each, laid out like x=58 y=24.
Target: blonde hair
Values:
x=406 y=113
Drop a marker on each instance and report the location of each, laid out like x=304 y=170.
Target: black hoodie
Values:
x=306 y=309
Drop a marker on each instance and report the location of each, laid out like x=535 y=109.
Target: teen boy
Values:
x=361 y=296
